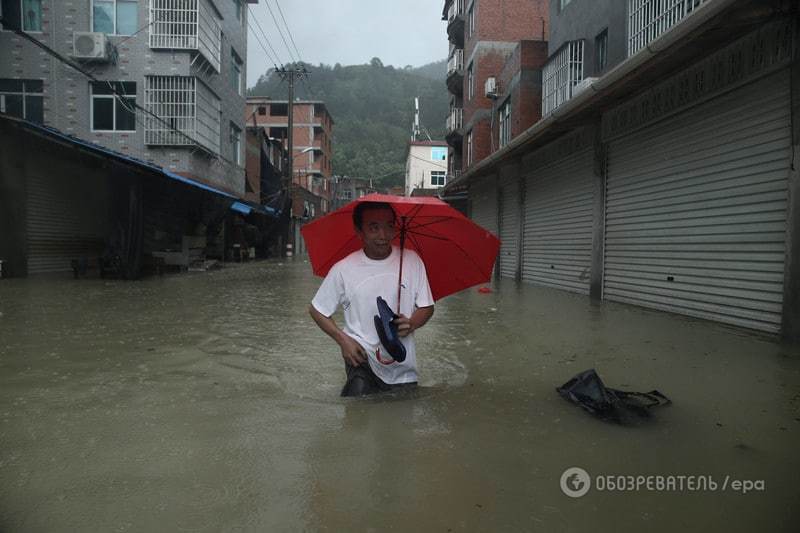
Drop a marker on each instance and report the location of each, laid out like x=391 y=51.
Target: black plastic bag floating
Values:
x=588 y=391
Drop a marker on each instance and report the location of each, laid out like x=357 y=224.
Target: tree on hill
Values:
x=372 y=106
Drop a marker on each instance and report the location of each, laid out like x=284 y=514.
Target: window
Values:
x=112 y=113
x=236 y=144
x=190 y=114
x=23 y=99
x=470 y=82
x=279 y=110
x=439 y=153
x=120 y=17
x=471 y=20
x=278 y=132
x=262 y=110
x=469 y=148
x=601 y=51
x=437 y=178
x=236 y=72
x=505 y=123
x=22 y=14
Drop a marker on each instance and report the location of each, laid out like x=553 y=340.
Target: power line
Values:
x=91 y=76
x=253 y=16
x=266 y=52
x=289 y=31
x=277 y=27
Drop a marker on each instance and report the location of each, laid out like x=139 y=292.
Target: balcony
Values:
x=649 y=19
x=454 y=124
x=455 y=72
x=188 y=113
x=186 y=25
x=560 y=76
x=455 y=23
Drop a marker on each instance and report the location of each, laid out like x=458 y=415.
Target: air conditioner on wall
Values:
x=490 y=87
x=90 y=45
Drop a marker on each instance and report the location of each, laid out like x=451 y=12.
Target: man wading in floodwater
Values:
x=355 y=282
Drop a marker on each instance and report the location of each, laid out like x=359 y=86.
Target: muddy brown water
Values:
x=209 y=402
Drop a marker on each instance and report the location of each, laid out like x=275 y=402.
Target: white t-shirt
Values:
x=355 y=282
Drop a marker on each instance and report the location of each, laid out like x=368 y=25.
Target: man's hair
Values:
x=358 y=212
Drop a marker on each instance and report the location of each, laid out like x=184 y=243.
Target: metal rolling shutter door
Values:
x=509 y=226
x=696 y=209
x=483 y=198
x=557 y=247
x=59 y=224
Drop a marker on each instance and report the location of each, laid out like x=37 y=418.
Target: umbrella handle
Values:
x=402 y=245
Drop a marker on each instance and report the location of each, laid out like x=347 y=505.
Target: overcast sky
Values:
x=350 y=32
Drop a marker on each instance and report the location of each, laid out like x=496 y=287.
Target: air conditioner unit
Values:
x=490 y=88
x=90 y=45
x=582 y=85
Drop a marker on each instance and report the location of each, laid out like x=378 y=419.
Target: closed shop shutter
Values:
x=508 y=207
x=483 y=201
x=557 y=243
x=65 y=221
x=696 y=209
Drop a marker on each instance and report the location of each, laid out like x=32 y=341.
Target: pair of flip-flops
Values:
x=387 y=331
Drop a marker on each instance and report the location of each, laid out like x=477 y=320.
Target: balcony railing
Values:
x=189 y=113
x=648 y=19
x=186 y=25
x=456 y=61
x=561 y=74
x=454 y=120
x=456 y=9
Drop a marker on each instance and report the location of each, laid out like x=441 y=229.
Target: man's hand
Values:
x=352 y=352
x=404 y=325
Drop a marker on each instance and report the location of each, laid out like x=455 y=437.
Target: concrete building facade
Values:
x=312 y=142
x=483 y=35
x=426 y=165
x=669 y=181
x=184 y=62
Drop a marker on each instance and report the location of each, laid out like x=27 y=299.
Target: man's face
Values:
x=377 y=231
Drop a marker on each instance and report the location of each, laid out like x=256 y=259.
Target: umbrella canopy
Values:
x=457 y=252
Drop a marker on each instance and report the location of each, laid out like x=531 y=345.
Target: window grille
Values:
x=561 y=74
x=186 y=25
x=185 y=104
x=648 y=19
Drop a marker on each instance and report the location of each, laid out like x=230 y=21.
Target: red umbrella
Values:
x=457 y=252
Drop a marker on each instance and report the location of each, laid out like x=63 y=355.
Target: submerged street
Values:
x=209 y=402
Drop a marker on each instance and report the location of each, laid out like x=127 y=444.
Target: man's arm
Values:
x=352 y=352
x=406 y=326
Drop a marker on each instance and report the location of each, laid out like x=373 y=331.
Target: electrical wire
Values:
x=280 y=32
x=289 y=31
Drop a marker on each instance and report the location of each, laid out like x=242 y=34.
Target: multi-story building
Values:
x=587 y=39
x=159 y=80
x=311 y=144
x=426 y=165
x=483 y=36
x=669 y=181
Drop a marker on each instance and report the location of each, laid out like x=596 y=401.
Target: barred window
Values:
x=188 y=113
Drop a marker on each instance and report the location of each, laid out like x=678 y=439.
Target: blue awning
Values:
x=239 y=207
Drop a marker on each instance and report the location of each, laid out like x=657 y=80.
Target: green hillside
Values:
x=373 y=109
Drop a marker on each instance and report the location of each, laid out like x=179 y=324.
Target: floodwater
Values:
x=209 y=402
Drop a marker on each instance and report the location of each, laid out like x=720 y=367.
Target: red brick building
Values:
x=312 y=142
x=497 y=49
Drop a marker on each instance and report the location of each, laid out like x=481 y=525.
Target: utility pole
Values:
x=290 y=75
